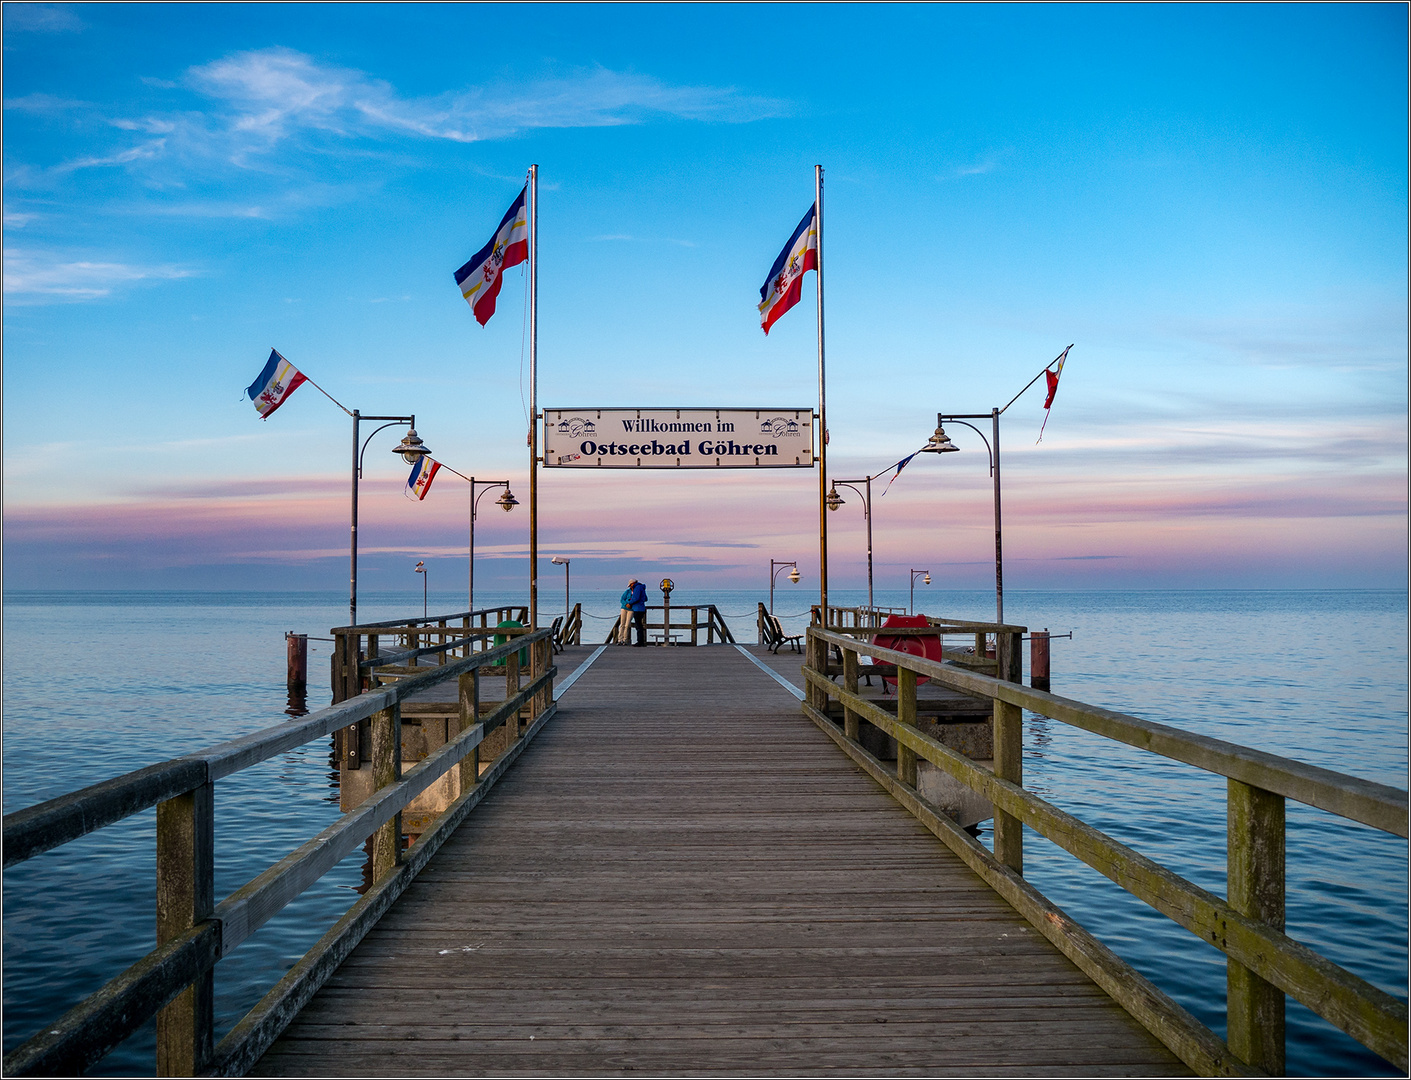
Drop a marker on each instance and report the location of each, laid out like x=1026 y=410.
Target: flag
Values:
x=274 y=384
x=1052 y=379
x=480 y=278
x=781 y=289
x=423 y=472
x=899 y=466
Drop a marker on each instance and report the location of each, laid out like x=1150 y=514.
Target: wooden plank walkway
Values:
x=684 y=876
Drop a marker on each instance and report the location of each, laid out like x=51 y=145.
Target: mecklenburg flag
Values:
x=423 y=472
x=1051 y=377
x=480 y=278
x=781 y=289
x=275 y=383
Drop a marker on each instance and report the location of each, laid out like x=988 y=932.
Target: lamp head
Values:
x=834 y=500
x=411 y=447
x=939 y=443
x=557 y=561
x=507 y=501
x=794 y=575
x=927 y=579
x=420 y=567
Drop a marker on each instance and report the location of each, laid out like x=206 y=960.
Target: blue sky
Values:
x=1209 y=201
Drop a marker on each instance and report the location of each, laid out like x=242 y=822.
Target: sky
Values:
x=1209 y=202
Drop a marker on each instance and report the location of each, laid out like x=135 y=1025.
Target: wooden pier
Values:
x=686 y=876
x=699 y=860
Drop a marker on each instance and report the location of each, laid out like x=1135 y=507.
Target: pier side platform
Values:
x=683 y=875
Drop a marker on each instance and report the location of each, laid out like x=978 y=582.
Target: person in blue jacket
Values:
x=635 y=600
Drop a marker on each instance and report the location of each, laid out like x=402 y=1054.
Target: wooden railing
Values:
x=174 y=981
x=1263 y=963
x=357 y=650
x=854 y=617
x=572 y=631
x=672 y=629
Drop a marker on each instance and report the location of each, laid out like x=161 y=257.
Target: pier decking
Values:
x=683 y=874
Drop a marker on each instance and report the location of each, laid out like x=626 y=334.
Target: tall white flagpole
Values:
x=822 y=410
x=534 y=397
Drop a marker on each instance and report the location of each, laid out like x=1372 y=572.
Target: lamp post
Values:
x=911 y=607
x=940 y=443
x=774 y=573
x=835 y=500
x=411 y=450
x=421 y=569
x=505 y=502
x=558 y=560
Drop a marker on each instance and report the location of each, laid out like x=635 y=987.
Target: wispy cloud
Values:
x=270 y=95
x=41 y=19
x=629 y=239
x=39 y=275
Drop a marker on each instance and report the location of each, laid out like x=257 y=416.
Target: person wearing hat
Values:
x=635 y=601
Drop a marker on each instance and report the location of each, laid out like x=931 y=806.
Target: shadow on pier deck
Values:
x=684 y=875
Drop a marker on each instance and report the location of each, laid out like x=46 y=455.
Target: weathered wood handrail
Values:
x=1264 y=963
x=173 y=981
x=714 y=624
x=572 y=631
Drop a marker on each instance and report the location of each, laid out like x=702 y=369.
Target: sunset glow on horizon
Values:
x=1210 y=202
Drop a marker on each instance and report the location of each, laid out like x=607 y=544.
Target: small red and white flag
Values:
x=781 y=290
x=423 y=472
x=1051 y=375
x=480 y=278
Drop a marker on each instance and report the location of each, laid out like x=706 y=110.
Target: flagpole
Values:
x=822 y=412
x=534 y=397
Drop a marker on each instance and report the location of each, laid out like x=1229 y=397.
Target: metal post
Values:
x=534 y=397
x=822 y=408
x=999 y=546
x=470 y=579
x=353 y=537
x=867 y=508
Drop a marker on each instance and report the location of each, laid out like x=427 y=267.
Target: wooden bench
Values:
x=774 y=635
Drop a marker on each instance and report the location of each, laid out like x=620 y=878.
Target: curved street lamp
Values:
x=411 y=449
x=559 y=560
x=834 y=500
x=940 y=443
x=421 y=569
x=924 y=581
x=775 y=565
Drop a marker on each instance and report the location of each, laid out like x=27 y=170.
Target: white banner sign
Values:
x=678 y=438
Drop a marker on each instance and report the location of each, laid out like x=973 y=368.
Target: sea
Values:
x=97 y=684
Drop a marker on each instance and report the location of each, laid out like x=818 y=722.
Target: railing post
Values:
x=1009 y=749
x=817 y=659
x=515 y=723
x=185 y=897
x=1255 y=881
x=387 y=769
x=539 y=661
x=906 y=714
x=850 y=718
x=468 y=685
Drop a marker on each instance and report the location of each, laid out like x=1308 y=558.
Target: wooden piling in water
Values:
x=1038 y=660
x=296 y=648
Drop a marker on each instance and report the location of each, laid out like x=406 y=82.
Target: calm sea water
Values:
x=98 y=684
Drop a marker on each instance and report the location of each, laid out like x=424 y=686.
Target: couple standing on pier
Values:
x=634 y=613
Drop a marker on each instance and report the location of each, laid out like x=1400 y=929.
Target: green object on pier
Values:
x=500 y=639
